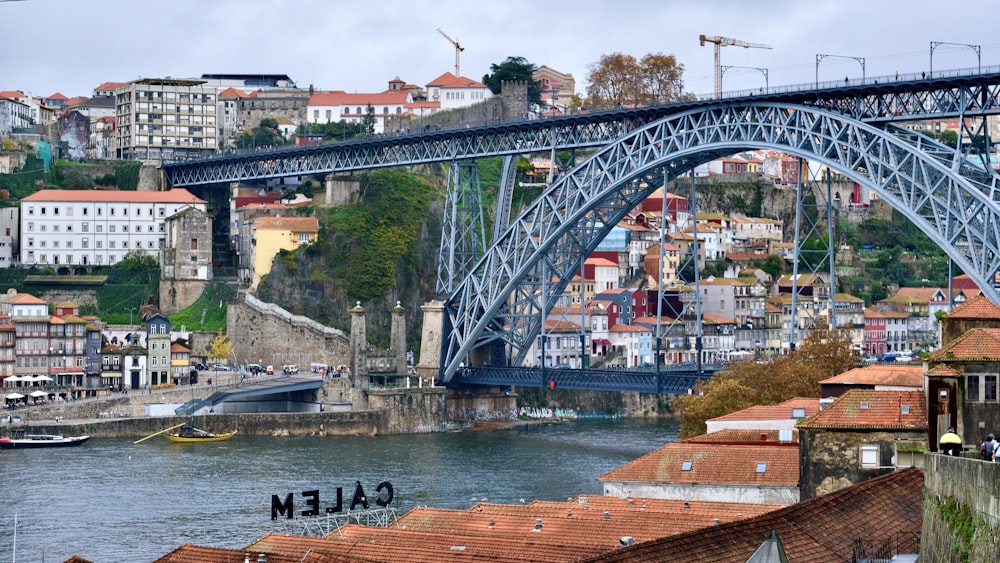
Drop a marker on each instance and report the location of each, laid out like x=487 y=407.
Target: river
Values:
x=111 y=501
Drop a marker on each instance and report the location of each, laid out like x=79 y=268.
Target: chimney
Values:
x=715 y=521
x=492 y=523
x=627 y=541
x=538 y=525
x=607 y=515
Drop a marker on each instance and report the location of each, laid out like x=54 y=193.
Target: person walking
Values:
x=990 y=447
x=950 y=443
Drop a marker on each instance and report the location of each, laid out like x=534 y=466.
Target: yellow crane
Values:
x=458 y=49
x=723 y=42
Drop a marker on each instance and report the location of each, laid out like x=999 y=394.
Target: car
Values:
x=269 y=370
x=200 y=367
x=869 y=360
x=904 y=359
x=221 y=367
x=290 y=369
x=255 y=369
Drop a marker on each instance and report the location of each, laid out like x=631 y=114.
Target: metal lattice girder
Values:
x=947 y=198
x=675 y=381
x=463 y=239
x=959 y=96
x=505 y=195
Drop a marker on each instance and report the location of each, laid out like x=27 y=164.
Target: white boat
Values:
x=19 y=439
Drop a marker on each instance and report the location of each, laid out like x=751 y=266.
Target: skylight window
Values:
x=864 y=404
x=686 y=466
x=761 y=467
x=798 y=412
x=905 y=409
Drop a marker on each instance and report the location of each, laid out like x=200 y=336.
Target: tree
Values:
x=948 y=137
x=514 y=69
x=823 y=354
x=220 y=347
x=265 y=134
x=368 y=121
x=619 y=79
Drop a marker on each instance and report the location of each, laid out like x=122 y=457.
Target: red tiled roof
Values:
x=728 y=465
x=781 y=411
x=340 y=98
x=742 y=436
x=449 y=80
x=817 y=530
x=868 y=409
x=176 y=195
x=900 y=376
x=976 y=344
x=561 y=325
x=176 y=348
x=27 y=299
x=979 y=307
x=294 y=224
x=941 y=370
x=628 y=328
x=603 y=262
x=111 y=86
x=234 y=93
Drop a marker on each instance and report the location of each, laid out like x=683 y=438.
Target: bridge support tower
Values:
x=431 y=340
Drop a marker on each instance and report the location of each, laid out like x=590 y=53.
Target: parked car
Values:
x=255 y=369
x=869 y=360
x=200 y=367
x=269 y=370
x=221 y=367
x=290 y=369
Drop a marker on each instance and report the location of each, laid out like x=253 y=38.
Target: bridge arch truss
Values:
x=500 y=305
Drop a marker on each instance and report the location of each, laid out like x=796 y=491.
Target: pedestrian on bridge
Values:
x=950 y=442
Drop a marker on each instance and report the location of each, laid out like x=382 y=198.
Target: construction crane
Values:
x=722 y=42
x=458 y=49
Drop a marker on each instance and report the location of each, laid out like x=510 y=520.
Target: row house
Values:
x=641 y=240
x=875 y=333
x=83 y=227
x=31 y=110
x=634 y=343
x=626 y=303
x=727 y=165
x=896 y=333
x=8 y=350
x=677 y=210
x=718 y=339
x=557 y=345
x=665 y=273
x=158 y=350
x=454 y=92
x=808 y=312
x=671 y=335
x=14 y=115
x=180 y=364
x=849 y=315
x=922 y=306
x=616 y=248
x=754 y=232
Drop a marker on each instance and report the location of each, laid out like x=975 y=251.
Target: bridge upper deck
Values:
x=877 y=100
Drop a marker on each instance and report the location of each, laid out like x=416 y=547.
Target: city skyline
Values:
x=334 y=47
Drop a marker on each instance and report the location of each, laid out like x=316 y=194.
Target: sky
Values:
x=72 y=46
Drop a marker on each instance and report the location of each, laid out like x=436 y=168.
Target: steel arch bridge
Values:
x=500 y=305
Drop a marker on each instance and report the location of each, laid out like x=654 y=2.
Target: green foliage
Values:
x=962 y=523
x=127 y=174
x=773 y=265
x=265 y=134
x=514 y=69
x=138 y=260
x=208 y=312
x=362 y=245
x=334 y=131
x=106 y=180
x=948 y=137
x=368 y=121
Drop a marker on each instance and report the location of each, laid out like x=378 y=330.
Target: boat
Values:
x=19 y=439
x=189 y=434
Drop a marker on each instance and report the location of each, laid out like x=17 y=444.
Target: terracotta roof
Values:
x=728 y=465
x=339 y=98
x=781 y=411
x=188 y=553
x=27 y=299
x=57 y=96
x=818 y=530
x=176 y=195
x=294 y=224
x=925 y=294
x=941 y=370
x=551 y=324
x=868 y=409
x=234 y=93
x=742 y=436
x=179 y=348
x=900 y=376
x=716 y=319
x=111 y=86
x=600 y=262
x=628 y=328
x=449 y=80
x=976 y=344
x=979 y=307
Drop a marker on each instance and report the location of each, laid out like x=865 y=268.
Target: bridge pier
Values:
x=487 y=403
x=430 y=340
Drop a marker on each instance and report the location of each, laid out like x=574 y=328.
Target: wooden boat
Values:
x=19 y=439
x=189 y=435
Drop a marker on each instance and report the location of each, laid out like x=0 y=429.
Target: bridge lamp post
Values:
x=820 y=57
x=130 y=311
x=976 y=48
x=763 y=71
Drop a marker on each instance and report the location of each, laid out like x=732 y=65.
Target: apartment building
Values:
x=166 y=119
x=83 y=227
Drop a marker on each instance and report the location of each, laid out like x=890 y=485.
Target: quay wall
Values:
x=276 y=337
x=961 y=515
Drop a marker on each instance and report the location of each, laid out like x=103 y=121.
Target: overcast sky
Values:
x=72 y=46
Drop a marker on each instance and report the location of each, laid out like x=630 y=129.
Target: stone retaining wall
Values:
x=270 y=335
x=961 y=510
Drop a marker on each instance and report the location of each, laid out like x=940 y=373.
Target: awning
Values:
x=13 y=379
x=110 y=375
x=603 y=341
x=14 y=396
x=39 y=394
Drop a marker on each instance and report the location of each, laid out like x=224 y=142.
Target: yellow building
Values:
x=274 y=234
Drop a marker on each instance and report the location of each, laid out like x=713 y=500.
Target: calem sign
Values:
x=286 y=508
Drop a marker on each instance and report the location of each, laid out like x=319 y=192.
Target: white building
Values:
x=81 y=227
x=457 y=91
x=331 y=107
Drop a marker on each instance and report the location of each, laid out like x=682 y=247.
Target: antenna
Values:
x=458 y=49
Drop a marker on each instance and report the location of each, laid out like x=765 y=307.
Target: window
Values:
x=194 y=244
x=798 y=412
x=111 y=228
x=85 y=242
x=761 y=467
x=31 y=226
x=991 y=388
x=303 y=238
x=86 y=227
x=972 y=388
x=686 y=466
x=869 y=456
x=43 y=211
x=100 y=228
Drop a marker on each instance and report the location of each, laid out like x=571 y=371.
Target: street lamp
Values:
x=131 y=309
x=860 y=60
x=976 y=48
x=763 y=71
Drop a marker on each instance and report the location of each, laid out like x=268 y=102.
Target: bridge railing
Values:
x=671 y=380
